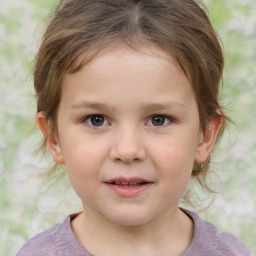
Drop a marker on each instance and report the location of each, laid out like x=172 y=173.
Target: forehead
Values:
x=103 y=50
x=145 y=55
x=119 y=74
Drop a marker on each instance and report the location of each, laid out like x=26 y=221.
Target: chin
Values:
x=129 y=222
x=129 y=219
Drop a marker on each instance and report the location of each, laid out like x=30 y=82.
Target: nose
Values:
x=128 y=146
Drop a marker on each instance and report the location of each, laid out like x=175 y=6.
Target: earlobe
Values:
x=207 y=140
x=52 y=140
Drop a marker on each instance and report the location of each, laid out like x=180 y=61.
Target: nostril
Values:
x=127 y=151
x=127 y=160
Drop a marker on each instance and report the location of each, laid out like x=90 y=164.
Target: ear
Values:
x=52 y=139
x=207 y=140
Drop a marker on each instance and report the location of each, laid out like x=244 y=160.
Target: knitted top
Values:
x=61 y=241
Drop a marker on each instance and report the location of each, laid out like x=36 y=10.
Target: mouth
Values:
x=128 y=182
x=128 y=187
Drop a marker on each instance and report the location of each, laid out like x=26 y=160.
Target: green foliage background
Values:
x=30 y=202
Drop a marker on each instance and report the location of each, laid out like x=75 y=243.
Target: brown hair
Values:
x=180 y=27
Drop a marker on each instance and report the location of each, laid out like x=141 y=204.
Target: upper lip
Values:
x=128 y=180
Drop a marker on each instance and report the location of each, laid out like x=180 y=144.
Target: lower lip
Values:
x=129 y=191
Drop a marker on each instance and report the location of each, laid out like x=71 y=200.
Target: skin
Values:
x=127 y=88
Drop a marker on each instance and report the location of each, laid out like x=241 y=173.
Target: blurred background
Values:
x=31 y=202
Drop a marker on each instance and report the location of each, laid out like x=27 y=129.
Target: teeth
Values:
x=127 y=183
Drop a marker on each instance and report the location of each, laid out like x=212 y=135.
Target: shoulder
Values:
x=45 y=243
x=207 y=240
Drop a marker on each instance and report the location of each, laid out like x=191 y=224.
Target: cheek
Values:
x=179 y=151
x=174 y=171
x=174 y=160
x=83 y=159
x=83 y=168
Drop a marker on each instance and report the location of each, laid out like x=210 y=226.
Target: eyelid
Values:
x=107 y=122
x=86 y=118
x=171 y=119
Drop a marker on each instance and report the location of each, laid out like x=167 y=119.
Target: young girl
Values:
x=127 y=95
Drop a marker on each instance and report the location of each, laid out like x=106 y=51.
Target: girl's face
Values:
x=129 y=134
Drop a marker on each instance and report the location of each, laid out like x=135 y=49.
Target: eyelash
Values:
x=88 y=120
x=166 y=117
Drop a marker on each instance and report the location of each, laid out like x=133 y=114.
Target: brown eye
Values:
x=159 y=120
x=96 y=120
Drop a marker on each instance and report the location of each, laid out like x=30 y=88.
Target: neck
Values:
x=170 y=234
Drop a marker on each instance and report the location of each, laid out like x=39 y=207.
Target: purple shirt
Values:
x=61 y=241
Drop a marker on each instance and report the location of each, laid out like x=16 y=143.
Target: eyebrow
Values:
x=164 y=105
x=91 y=105
x=147 y=106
